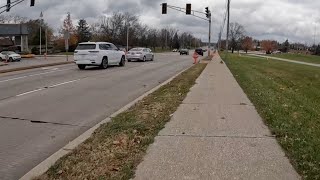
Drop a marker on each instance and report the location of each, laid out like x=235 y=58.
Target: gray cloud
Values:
x=272 y=19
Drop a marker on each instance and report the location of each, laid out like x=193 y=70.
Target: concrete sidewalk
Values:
x=215 y=134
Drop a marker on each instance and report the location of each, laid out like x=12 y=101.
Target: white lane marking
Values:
x=56 y=85
x=22 y=77
x=64 y=83
x=29 y=92
x=48 y=68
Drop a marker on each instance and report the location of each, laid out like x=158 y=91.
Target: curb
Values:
x=46 y=164
x=34 y=67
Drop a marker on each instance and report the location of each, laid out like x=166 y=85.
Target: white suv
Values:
x=100 y=54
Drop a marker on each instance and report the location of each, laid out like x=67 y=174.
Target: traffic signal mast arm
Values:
x=10 y=5
x=184 y=10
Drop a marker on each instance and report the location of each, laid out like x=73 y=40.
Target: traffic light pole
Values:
x=209 y=45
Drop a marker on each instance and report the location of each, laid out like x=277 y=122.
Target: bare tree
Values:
x=12 y=19
x=247 y=43
x=236 y=35
x=269 y=46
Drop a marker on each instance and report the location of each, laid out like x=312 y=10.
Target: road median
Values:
x=117 y=147
x=34 y=67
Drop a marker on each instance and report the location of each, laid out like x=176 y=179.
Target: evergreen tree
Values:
x=286 y=46
x=83 y=31
x=176 y=43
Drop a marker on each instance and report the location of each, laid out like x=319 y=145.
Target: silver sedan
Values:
x=140 y=54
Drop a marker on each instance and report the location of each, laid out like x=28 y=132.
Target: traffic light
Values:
x=188 y=9
x=208 y=13
x=32 y=3
x=164 y=8
x=8 y=5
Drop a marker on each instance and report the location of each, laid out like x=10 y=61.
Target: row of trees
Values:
x=111 y=29
x=239 y=41
x=115 y=28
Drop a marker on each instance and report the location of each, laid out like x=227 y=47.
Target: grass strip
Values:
x=287 y=96
x=116 y=148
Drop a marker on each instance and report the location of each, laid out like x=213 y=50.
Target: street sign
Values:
x=66 y=39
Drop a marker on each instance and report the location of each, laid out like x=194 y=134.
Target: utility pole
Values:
x=127 y=37
x=46 y=41
x=41 y=16
x=219 y=41
x=228 y=28
x=208 y=15
x=209 y=45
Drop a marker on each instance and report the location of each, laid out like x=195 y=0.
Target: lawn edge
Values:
x=51 y=160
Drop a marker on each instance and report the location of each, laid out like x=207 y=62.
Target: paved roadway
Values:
x=43 y=109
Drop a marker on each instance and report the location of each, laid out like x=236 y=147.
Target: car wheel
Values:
x=144 y=59
x=1 y=59
x=104 y=63
x=129 y=60
x=122 y=61
x=10 y=60
x=81 y=66
x=152 y=58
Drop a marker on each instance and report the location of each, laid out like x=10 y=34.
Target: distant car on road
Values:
x=184 y=51
x=100 y=54
x=199 y=51
x=175 y=50
x=12 y=56
x=140 y=54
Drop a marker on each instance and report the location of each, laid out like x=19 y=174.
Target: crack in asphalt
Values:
x=40 y=122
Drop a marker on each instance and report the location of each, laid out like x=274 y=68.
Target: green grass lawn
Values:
x=300 y=57
x=287 y=96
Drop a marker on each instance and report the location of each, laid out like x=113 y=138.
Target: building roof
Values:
x=13 y=29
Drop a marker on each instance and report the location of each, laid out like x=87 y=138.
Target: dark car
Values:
x=184 y=51
x=199 y=51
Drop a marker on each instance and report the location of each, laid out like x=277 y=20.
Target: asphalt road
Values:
x=41 y=110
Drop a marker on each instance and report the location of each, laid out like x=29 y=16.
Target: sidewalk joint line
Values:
x=220 y=136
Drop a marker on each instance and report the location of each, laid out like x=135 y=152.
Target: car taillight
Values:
x=93 y=51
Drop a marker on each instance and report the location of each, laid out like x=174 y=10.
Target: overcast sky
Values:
x=262 y=19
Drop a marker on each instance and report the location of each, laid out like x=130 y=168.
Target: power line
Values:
x=11 y=6
x=5 y=6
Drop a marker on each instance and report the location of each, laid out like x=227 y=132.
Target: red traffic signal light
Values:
x=188 y=9
x=164 y=8
x=32 y=3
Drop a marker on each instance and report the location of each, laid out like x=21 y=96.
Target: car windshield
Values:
x=8 y=52
x=136 y=49
x=86 y=46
